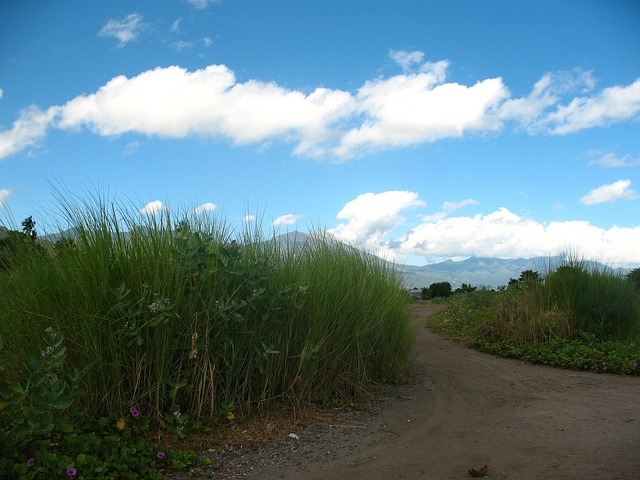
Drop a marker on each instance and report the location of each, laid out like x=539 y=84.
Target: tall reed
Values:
x=184 y=313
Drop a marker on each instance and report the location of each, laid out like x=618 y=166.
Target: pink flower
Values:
x=72 y=472
x=134 y=412
x=160 y=455
x=31 y=462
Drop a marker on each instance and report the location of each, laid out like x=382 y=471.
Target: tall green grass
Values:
x=573 y=299
x=182 y=313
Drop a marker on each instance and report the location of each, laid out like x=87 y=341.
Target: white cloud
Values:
x=207 y=41
x=451 y=206
x=288 y=219
x=249 y=218
x=124 y=30
x=202 y=4
x=371 y=216
x=417 y=108
x=611 y=160
x=405 y=59
x=532 y=112
x=205 y=207
x=180 y=45
x=28 y=131
x=402 y=110
x=610 y=193
x=154 y=207
x=612 y=105
x=4 y=194
x=132 y=147
x=175 y=26
x=173 y=102
x=505 y=234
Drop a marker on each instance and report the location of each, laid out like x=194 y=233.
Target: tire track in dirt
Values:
x=526 y=422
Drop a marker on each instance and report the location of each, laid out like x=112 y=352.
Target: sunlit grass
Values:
x=574 y=315
x=183 y=313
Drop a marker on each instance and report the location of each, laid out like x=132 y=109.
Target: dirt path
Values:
x=471 y=409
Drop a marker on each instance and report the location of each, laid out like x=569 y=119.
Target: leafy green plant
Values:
x=39 y=404
x=42 y=437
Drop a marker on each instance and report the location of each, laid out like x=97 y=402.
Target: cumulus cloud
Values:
x=371 y=216
x=4 y=194
x=174 y=102
x=154 y=207
x=205 y=207
x=415 y=107
x=124 y=30
x=611 y=160
x=371 y=220
x=288 y=219
x=505 y=234
x=610 y=193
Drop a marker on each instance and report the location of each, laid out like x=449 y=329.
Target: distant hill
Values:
x=476 y=271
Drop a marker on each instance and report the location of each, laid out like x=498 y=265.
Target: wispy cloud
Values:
x=124 y=30
x=154 y=207
x=288 y=219
x=611 y=160
x=202 y=4
x=384 y=113
x=449 y=207
x=181 y=45
x=28 y=131
x=610 y=193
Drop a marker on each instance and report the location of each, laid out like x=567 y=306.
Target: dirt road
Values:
x=470 y=409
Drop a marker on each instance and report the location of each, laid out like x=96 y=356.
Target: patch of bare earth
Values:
x=468 y=409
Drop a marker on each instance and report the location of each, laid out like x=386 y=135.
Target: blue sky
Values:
x=420 y=130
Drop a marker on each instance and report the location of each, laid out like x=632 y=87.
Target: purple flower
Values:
x=160 y=455
x=72 y=472
x=31 y=462
x=134 y=412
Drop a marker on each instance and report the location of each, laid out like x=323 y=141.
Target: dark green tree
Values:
x=464 y=288
x=29 y=227
x=438 y=289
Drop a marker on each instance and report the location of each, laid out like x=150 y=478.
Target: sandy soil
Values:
x=467 y=410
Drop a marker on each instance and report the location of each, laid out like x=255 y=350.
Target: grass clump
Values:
x=574 y=316
x=192 y=322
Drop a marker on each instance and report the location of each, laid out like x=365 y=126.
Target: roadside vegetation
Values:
x=133 y=329
x=572 y=316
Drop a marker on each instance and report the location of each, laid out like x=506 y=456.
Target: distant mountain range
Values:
x=475 y=271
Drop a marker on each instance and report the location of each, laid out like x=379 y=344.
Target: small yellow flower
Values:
x=121 y=423
x=230 y=416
